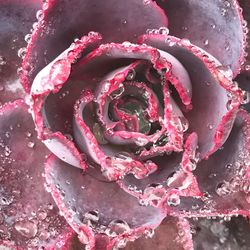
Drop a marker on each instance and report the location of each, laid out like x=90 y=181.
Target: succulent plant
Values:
x=124 y=124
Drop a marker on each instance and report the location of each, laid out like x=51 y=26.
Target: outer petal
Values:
x=216 y=26
x=16 y=18
x=93 y=206
x=224 y=177
x=29 y=217
x=116 y=21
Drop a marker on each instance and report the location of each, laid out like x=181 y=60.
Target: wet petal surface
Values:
x=29 y=216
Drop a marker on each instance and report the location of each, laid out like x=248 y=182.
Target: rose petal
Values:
x=117 y=22
x=224 y=177
x=210 y=117
x=172 y=234
x=216 y=26
x=16 y=18
x=29 y=217
x=91 y=206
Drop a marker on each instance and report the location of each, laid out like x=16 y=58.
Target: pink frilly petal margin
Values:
x=16 y=18
x=29 y=217
x=216 y=26
x=213 y=110
x=117 y=22
x=94 y=207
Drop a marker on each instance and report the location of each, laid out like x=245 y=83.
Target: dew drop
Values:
x=31 y=144
x=247 y=67
x=92 y=216
x=3 y=61
x=39 y=14
x=226 y=71
x=223 y=12
x=27 y=38
x=131 y=75
x=21 y=52
x=116 y=227
x=222 y=189
x=206 y=42
x=186 y=41
x=246 y=97
x=117 y=93
x=26 y=228
x=163 y=31
x=210 y=126
x=173 y=200
x=146 y=2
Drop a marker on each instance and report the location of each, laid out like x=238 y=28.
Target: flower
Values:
x=142 y=120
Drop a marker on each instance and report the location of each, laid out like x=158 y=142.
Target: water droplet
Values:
x=222 y=189
x=117 y=93
x=92 y=216
x=42 y=215
x=27 y=228
x=69 y=137
x=146 y=2
x=6 y=200
x=180 y=123
x=31 y=144
x=27 y=38
x=39 y=14
x=163 y=140
x=210 y=126
x=163 y=31
x=173 y=200
x=7 y=151
x=226 y=71
x=21 y=52
x=186 y=41
x=149 y=233
x=247 y=67
x=246 y=97
x=116 y=227
x=131 y=75
x=206 y=42
x=223 y=12
x=3 y=61
x=141 y=141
